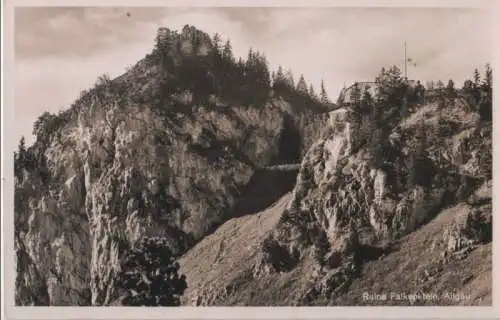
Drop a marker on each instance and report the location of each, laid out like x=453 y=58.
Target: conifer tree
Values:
x=323 y=95
x=216 y=41
x=279 y=77
x=289 y=79
x=390 y=86
x=476 y=78
x=161 y=39
x=312 y=93
x=150 y=275
x=20 y=158
x=367 y=101
x=302 y=85
x=485 y=108
x=227 y=52
x=450 y=90
x=488 y=77
x=477 y=86
x=22 y=147
x=439 y=85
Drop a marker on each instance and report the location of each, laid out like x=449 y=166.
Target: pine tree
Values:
x=450 y=90
x=161 y=40
x=263 y=72
x=257 y=77
x=227 y=52
x=391 y=87
x=250 y=58
x=488 y=77
x=476 y=87
x=289 y=79
x=20 y=158
x=485 y=108
x=22 y=146
x=302 y=85
x=216 y=41
x=273 y=78
x=367 y=101
x=149 y=274
x=439 y=85
x=323 y=95
x=279 y=78
x=312 y=93
x=477 y=78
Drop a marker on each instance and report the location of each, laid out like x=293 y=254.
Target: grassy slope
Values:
x=222 y=260
x=221 y=257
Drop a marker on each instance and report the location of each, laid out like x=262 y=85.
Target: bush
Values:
x=277 y=255
x=149 y=275
x=321 y=247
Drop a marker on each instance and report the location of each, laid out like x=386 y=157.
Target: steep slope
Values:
x=349 y=229
x=418 y=265
x=156 y=151
x=216 y=265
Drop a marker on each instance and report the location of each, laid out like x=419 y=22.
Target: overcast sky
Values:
x=61 y=51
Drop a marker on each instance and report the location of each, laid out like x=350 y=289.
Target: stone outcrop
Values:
x=341 y=193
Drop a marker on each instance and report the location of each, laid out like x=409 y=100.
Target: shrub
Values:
x=321 y=247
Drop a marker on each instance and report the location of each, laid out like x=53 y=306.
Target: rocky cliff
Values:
x=147 y=153
x=350 y=227
x=270 y=196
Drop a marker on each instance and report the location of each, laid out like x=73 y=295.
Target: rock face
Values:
x=343 y=201
x=117 y=168
x=346 y=229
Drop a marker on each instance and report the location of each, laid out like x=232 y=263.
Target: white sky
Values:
x=61 y=51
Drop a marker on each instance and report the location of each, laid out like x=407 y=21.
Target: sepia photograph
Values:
x=251 y=156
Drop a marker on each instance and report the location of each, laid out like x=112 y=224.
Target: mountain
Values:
x=155 y=151
x=269 y=195
x=345 y=230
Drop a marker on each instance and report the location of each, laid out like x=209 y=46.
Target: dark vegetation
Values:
x=150 y=276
